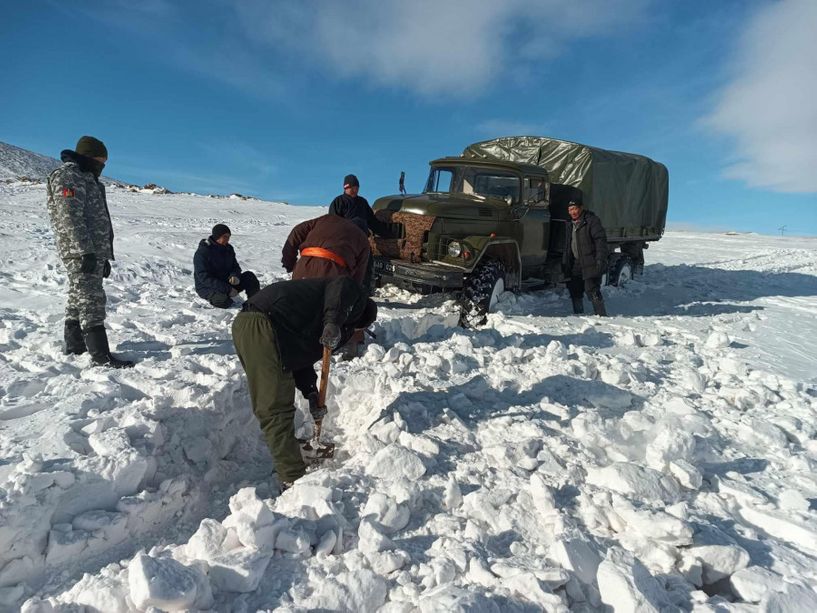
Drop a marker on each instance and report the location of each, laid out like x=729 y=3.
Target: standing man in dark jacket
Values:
x=330 y=246
x=279 y=335
x=585 y=257
x=84 y=235
x=352 y=206
x=216 y=271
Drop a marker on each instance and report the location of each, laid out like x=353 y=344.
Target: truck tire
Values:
x=481 y=292
x=621 y=271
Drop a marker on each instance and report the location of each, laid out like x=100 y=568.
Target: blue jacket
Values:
x=213 y=264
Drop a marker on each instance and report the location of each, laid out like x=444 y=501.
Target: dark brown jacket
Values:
x=591 y=244
x=336 y=234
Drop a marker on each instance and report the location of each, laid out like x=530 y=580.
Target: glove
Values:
x=233 y=280
x=233 y=292
x=88 y=262
x=317 y=412
x=331 y=336
x=106 y=269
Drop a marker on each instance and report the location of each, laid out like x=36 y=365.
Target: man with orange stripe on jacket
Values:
x=330 y=246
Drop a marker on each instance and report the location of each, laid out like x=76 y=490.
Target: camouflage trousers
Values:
x=272 y=391
x=86 y=298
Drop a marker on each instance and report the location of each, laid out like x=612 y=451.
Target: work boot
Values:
x=578 y=306
x=74 y=343
x=598 y=304
x=96 y=339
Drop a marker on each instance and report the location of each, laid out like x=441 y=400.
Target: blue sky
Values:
x=281 y=99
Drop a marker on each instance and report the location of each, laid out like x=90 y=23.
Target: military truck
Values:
x=495 y=218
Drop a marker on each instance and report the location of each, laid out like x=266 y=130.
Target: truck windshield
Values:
x=473 y=181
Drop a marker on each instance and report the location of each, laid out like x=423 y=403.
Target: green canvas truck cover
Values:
x=628 y=192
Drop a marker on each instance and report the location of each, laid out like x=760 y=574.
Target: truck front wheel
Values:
x=481 y=293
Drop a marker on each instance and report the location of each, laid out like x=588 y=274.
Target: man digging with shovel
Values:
x=279 y=335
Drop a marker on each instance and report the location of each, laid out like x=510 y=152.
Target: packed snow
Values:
x=660 y=459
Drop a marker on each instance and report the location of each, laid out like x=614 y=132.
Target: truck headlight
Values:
x=454 y=249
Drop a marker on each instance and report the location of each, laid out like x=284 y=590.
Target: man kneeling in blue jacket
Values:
x=216 y=271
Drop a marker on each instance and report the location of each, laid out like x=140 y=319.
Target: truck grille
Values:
x=415 y=234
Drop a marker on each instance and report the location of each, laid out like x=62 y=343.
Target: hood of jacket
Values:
x=85 y=163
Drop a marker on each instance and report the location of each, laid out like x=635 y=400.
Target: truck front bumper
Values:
x=401 y=272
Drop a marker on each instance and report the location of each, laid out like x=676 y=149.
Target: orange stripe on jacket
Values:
x=320 y=252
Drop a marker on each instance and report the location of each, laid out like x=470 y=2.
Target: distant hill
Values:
x=21 y=164
x=17 y=163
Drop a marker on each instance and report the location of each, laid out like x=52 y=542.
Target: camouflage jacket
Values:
x=79 y=212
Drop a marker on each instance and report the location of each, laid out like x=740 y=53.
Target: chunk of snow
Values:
x=626 y=585
x=578 y=556
x=393 y=462
x=239 y=570
x=389 y=514
x=636 y=481
x=163 y=583
x=754 y=582
x=719 y=561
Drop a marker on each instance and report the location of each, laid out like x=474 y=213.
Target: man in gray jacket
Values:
x=84 y=236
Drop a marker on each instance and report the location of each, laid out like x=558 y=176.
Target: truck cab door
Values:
x=535 y=225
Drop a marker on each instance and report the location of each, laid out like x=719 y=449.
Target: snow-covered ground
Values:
x=660 y=459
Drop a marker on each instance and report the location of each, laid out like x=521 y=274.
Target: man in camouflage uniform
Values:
x=84 y=236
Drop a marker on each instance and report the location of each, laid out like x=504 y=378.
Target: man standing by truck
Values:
x=352 y=206
x=585 y=257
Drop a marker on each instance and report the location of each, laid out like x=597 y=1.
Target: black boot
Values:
x=74 y=343
x=578 y=306
x=96 y=339
x=598 y=304
x=249 y=283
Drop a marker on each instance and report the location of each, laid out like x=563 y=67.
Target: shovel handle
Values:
x=327 y=356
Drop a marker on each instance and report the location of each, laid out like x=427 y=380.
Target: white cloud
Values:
x=431 y=47
x=769 y=107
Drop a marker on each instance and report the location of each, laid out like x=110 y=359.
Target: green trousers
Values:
x=272 y=391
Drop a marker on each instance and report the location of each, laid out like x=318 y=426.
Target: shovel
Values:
x=321 y=449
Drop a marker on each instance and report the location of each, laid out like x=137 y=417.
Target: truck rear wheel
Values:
x=621 y=272
x=481 y=293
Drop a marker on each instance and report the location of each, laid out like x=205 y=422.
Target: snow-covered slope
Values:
x=661 y=459
x=17 y=163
